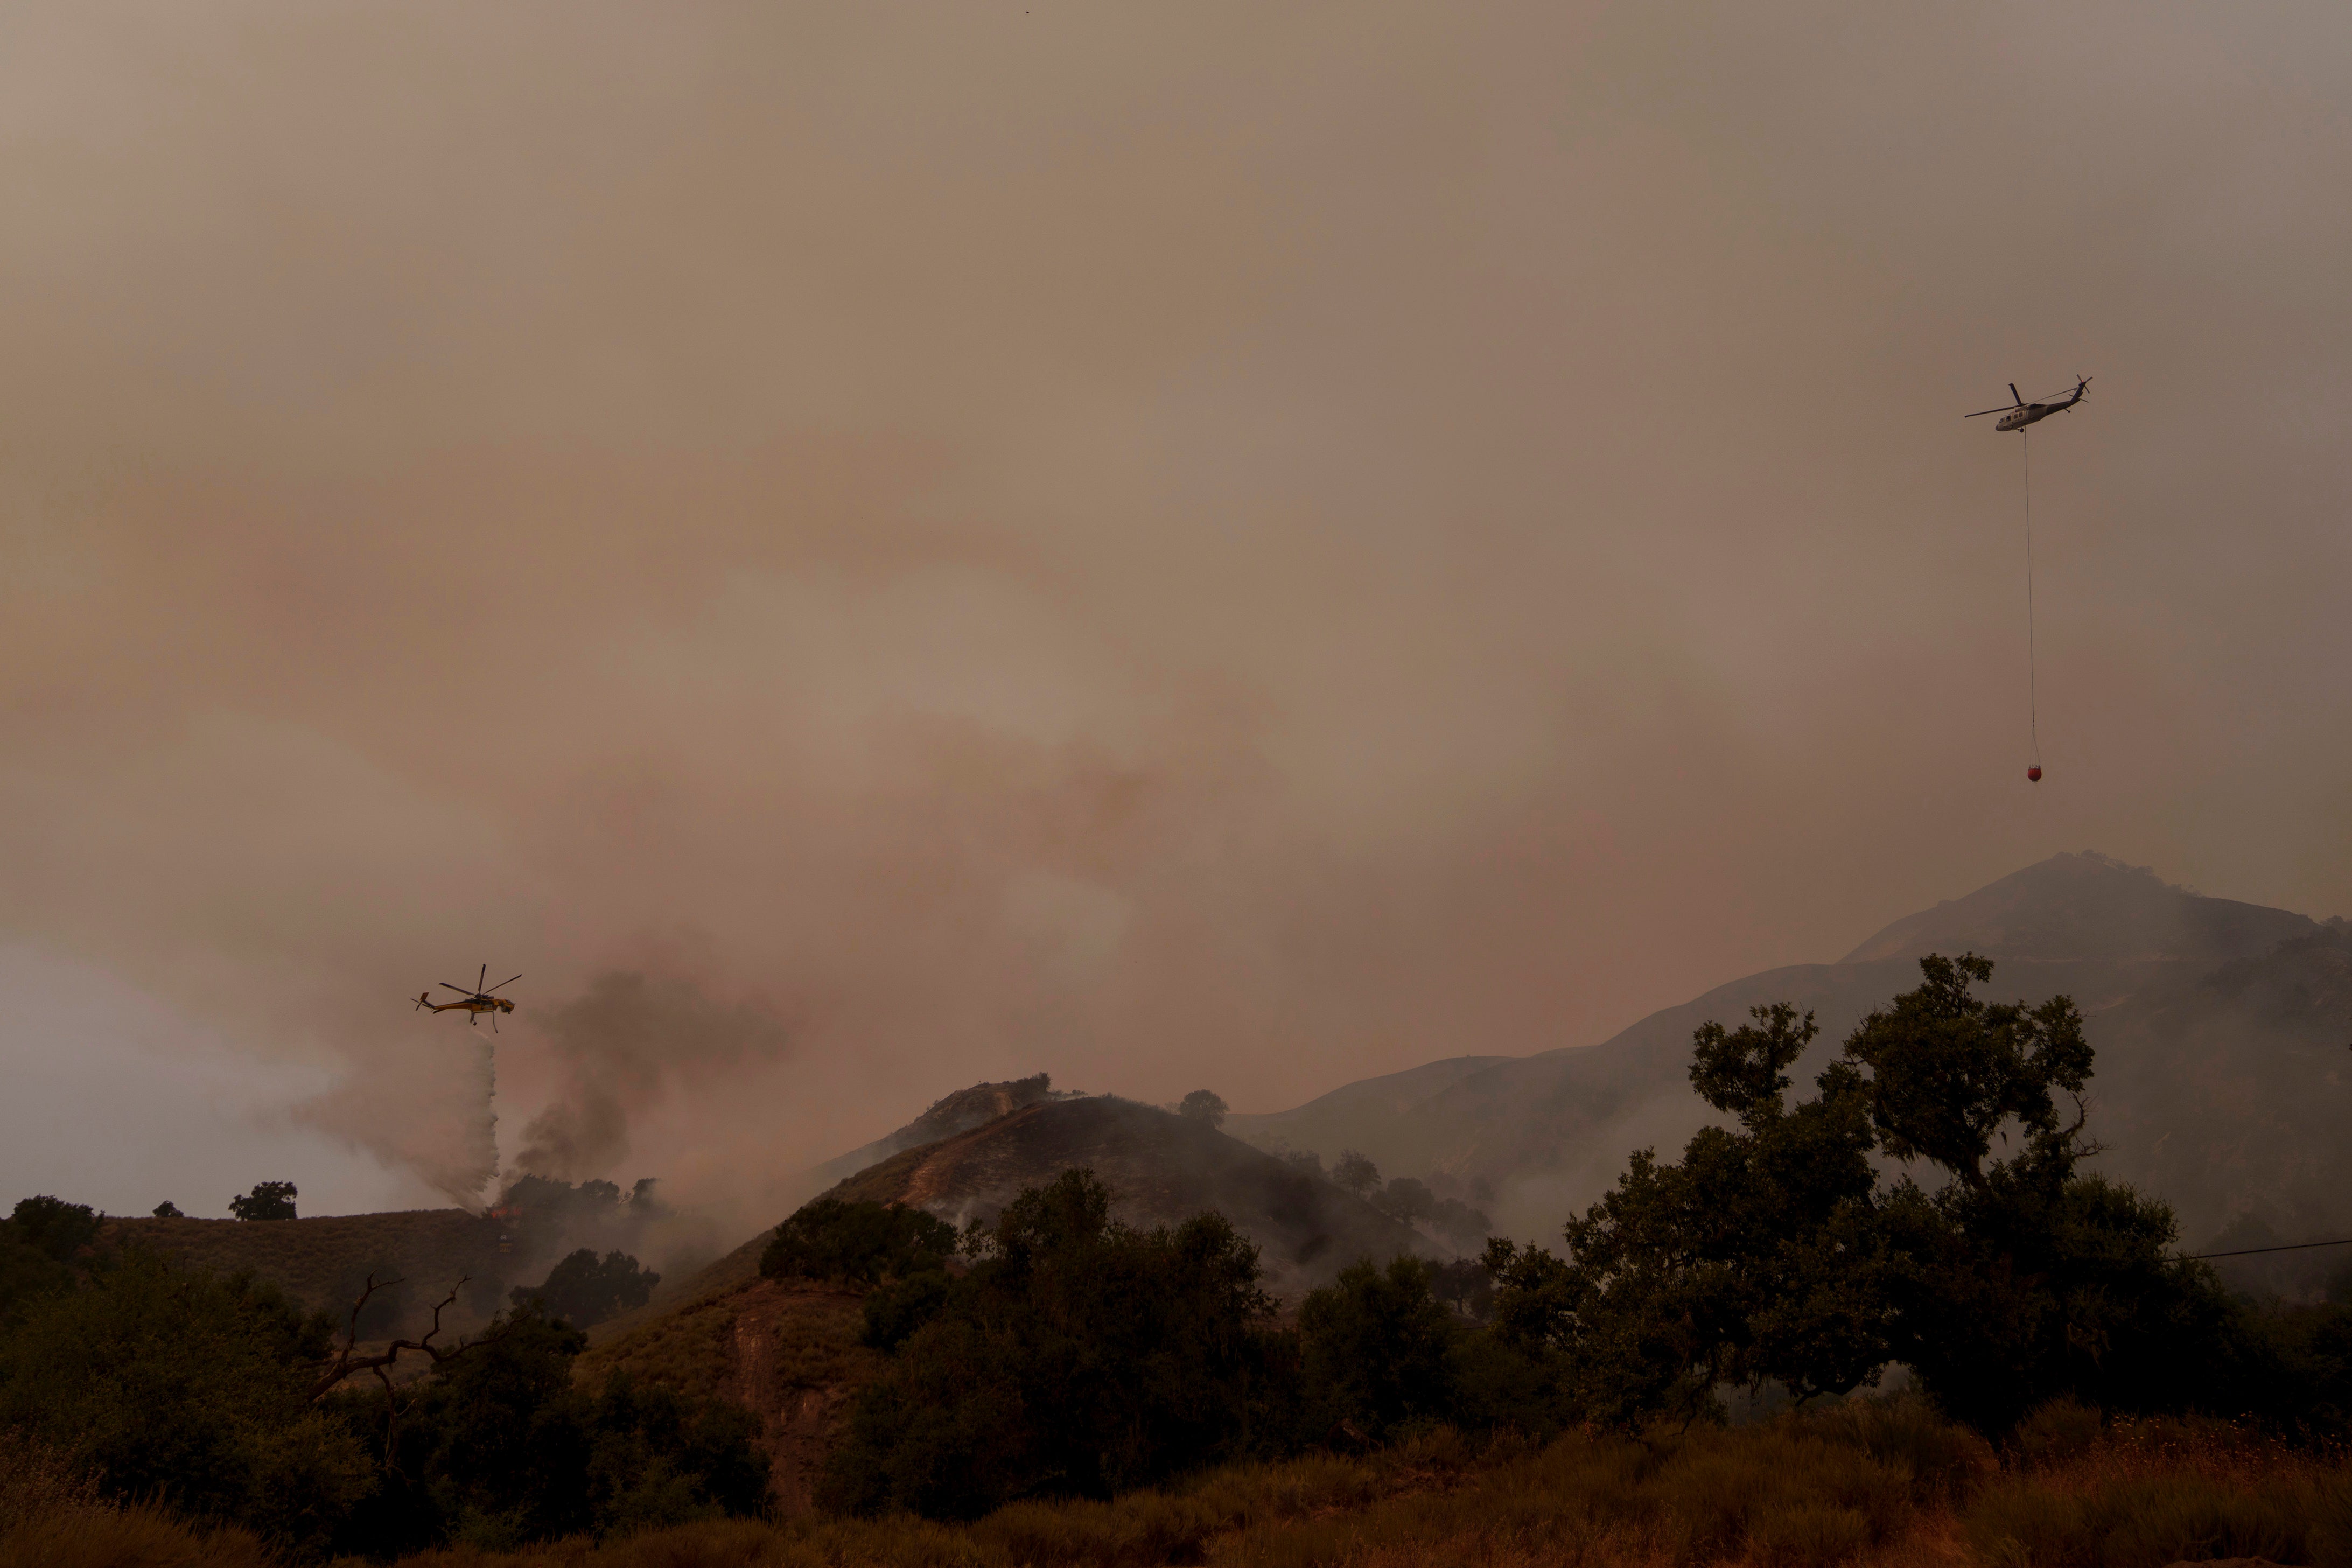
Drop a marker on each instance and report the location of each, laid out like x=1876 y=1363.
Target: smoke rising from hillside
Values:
x=621 y=1045
x=1234 y=546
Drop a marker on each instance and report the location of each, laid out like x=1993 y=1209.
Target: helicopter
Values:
x=476 y=1002
x=2019 y=414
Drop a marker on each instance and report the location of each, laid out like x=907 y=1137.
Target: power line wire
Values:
x=2249 y=1251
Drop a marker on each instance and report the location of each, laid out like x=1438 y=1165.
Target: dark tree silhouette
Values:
x=584 y=1290
x=268 y=1200
x=1203 y=1105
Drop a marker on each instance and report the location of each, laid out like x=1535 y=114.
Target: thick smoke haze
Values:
x=1227 y=546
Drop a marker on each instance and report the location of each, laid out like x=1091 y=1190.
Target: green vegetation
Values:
x=188 y=1389
x=1079 y=1390
x=54 y=1227
x=322 y=1260
x=1204 y=1105
x=1409 y=1201
x=584 y=1290
x=1865 y=1481
x=268 y=1200
x=685 y=1349
x=504 y=1447
x=1076 y=1356
x=199 y=1394
x=1354 y=1173
x=1779 y=1252
x=38 y=1244
x=860 y=1242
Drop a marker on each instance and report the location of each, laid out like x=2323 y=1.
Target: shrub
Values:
x=141 y=1535
x=58 y=1229
x=268 y=1200
x=184 y=1387
x=2056 y=1434
x=858 y=1242
x=1376 y=1352
x=895 y=1311
x=585 y=1290
x=1204 y=1105
x=1947 y=1462
x=501 y=1448
x=1077 y=1356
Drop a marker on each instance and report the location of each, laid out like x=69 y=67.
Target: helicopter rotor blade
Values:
x=484 y=974
x=502 y=984
x=1982 y=412
x=458 y=989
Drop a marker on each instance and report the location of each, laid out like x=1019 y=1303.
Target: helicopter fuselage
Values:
x=2019 y=419
x=2025 y=413
x=476 y=1005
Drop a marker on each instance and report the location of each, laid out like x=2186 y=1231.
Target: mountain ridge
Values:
x=1550 y=1131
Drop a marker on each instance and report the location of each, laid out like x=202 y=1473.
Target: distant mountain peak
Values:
x=2090 y=906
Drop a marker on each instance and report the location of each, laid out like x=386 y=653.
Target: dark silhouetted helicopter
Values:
x=2019 y=414
x=476 y=1002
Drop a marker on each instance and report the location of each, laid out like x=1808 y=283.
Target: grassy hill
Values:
x=320 y=1262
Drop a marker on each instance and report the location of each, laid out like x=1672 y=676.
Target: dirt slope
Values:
x=786 y=1350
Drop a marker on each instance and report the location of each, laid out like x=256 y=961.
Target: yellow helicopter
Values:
x=476 y=1002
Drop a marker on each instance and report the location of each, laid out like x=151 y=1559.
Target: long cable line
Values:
x=2289 y=1246
x=2032 y=675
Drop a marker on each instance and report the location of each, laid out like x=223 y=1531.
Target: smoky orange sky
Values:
x=867 y=548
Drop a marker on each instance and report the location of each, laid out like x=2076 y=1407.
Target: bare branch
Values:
x=348 y=1362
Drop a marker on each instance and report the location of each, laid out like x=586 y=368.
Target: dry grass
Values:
x=315 y=1261
x=87 y=1535
x=36 y=1481
x=1884 y=1486
x=819 y=1343
x=690 y=1350
x=2149 y=1493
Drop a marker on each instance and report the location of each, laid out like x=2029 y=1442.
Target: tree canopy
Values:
x=1204 y=1105
x=1076 y=1355
x=584 y=1290
x=861 y=1242
x=1783 y=1248
x=268 y=1200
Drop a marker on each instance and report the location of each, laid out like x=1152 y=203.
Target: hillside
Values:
x=1161 y=1169
x=322 y=1261
x=789 y=1351
x=959 y=1113
x=2214 y=1021
x=786 y=1350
